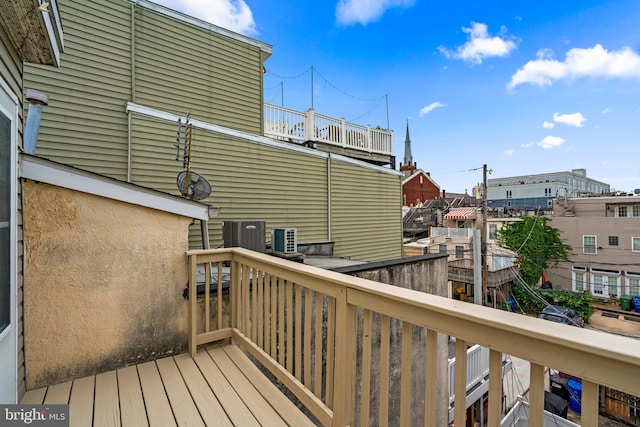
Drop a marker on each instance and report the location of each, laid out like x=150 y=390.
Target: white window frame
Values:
x=607 y=278
x=493 y=230
x=635 y=210
x=633 y=244
x=595 y=244
x=574 y=280
x=620 y=210
x=629 y=277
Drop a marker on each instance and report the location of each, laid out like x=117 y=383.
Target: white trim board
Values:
x=49 y=172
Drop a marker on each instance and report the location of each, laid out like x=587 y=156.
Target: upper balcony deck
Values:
x=352 y=351
x=329 y=134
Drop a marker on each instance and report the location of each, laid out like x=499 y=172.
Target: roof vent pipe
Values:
x=36 y=100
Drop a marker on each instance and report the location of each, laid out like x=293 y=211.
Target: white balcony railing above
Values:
x=455 y=233
x=290 y=125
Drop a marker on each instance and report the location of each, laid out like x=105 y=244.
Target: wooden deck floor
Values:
x=219 y=387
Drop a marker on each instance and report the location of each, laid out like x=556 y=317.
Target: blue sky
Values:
x=525 y=87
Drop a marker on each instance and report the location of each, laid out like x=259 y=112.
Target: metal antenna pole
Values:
x=312 y=87
x=386 y=97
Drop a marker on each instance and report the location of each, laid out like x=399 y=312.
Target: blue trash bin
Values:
x=575 y=395
x=635 y=303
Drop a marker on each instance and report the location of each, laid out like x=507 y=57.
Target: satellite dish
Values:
x=198 y=187
x=637 y=191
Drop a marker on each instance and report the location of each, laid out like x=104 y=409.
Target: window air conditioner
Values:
x=284 y=240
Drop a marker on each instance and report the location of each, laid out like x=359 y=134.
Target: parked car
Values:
x=564 y=315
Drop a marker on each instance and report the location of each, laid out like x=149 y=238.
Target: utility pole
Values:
x=483 y=237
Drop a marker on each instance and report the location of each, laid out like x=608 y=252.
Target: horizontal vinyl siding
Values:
x=85 y=124
x=249 y=180
x=182 y=68
x=366 y=214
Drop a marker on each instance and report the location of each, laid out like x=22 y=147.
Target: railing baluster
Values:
x=405 y=376
x=289 y=315
x=385 y=336
x=495 y=388
x=306 y=352
x=207 y=296
x=261 y=316
x=274 y=315
x=589 y=404
x=331 y=336
x=365 y=394
x=460 y=387
x=281 y=324
x=317 y=382
x=431 y=375
x=255 y=320
x=536 y=395
x=298 y=333
x=219 y=293
x=244 y=294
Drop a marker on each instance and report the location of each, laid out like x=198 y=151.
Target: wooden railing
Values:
x=331 y=340
x=285 y=124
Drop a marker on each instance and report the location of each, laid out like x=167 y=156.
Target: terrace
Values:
x=329 y=134
x=327 y=339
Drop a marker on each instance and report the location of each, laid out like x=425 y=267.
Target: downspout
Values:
x=133 y=87
x=329 y=237
x=36 y=100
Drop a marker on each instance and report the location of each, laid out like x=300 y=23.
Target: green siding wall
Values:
x=85 y=124
x=366 y=214
x=185 y=69
x=249 y=180
x=170 y=65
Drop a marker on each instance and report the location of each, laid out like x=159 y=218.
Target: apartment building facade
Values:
x=538 y=191
x=605 y=235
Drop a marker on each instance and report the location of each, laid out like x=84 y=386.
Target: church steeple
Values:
x=408 y=158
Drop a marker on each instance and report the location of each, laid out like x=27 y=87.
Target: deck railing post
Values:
x=367 y=141
x=343 y=132
x=309 y=125
x=345 y=357
x=193 y=286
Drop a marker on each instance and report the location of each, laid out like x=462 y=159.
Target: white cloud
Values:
x=527 y=145
x=606 y=110
x=575 y=119
x=233 y=15
x=429 y=108
x=508 y=152
x=365 y=11
x=551 y=142
x=544 y=54
x=592 y=62
x=480 y=45
x=548 y=125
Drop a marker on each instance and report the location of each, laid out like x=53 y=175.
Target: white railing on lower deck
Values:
x=477 y=368
x=312 y=328
x=286 y=124
x=456 y=233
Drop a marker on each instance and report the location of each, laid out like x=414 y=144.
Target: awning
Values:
x=462 y=213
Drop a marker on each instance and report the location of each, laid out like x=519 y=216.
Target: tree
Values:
x=536 y=244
